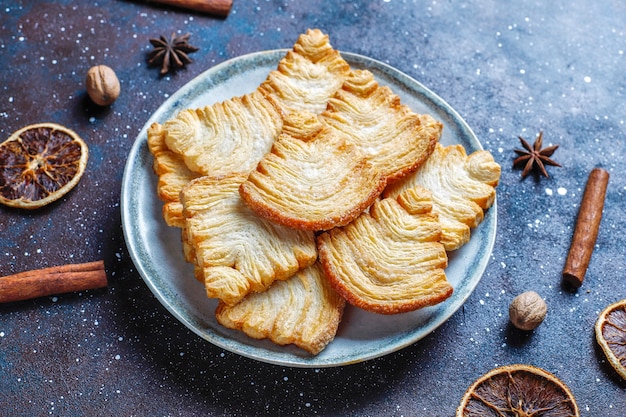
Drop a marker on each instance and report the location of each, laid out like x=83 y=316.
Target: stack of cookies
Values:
x=317 y=188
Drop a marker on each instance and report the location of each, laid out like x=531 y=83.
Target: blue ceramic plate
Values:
x=157 y=253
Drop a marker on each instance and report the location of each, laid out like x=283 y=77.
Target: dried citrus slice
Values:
x=39 y=164
x=611 y=335
x=518 y=390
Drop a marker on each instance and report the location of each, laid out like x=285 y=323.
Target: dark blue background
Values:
x=508 y=68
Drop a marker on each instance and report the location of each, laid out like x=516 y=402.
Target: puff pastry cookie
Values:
x=393 y=137
x=226 y=137
x=313 y=178
x=237 y=251
x=389 y=260
x=307 y=76
x=462 y=187
x=303 y=310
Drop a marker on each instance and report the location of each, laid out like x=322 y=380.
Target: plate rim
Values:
x=138 y=152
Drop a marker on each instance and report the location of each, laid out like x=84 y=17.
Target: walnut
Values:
x=527 y=310
x=103 y=87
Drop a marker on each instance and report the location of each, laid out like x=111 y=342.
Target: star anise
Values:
x=535 y=157
x=171 y=54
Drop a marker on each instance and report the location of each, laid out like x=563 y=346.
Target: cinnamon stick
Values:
x=587 y=225
x=215 y=7
x=53 y=280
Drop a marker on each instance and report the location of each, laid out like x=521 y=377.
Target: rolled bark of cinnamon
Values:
x=215 y=7
x=53 y=280
x=587 y=225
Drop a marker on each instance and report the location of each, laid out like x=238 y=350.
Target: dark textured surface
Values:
x=509 y=69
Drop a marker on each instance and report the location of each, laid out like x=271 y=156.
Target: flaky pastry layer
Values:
x=237 y=251
x=307 y=76
x=395 y=139
x=226 y=137
x=173 y=175
x=462 y=187
x=389 y=260
x=303 y=310
x=313 y=178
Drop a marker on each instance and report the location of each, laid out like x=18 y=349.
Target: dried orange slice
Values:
x=518 y=390
x=39 y=164
x=611 y=335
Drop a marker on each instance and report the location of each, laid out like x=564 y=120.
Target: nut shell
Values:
x=102 y=84
x=527 y=310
